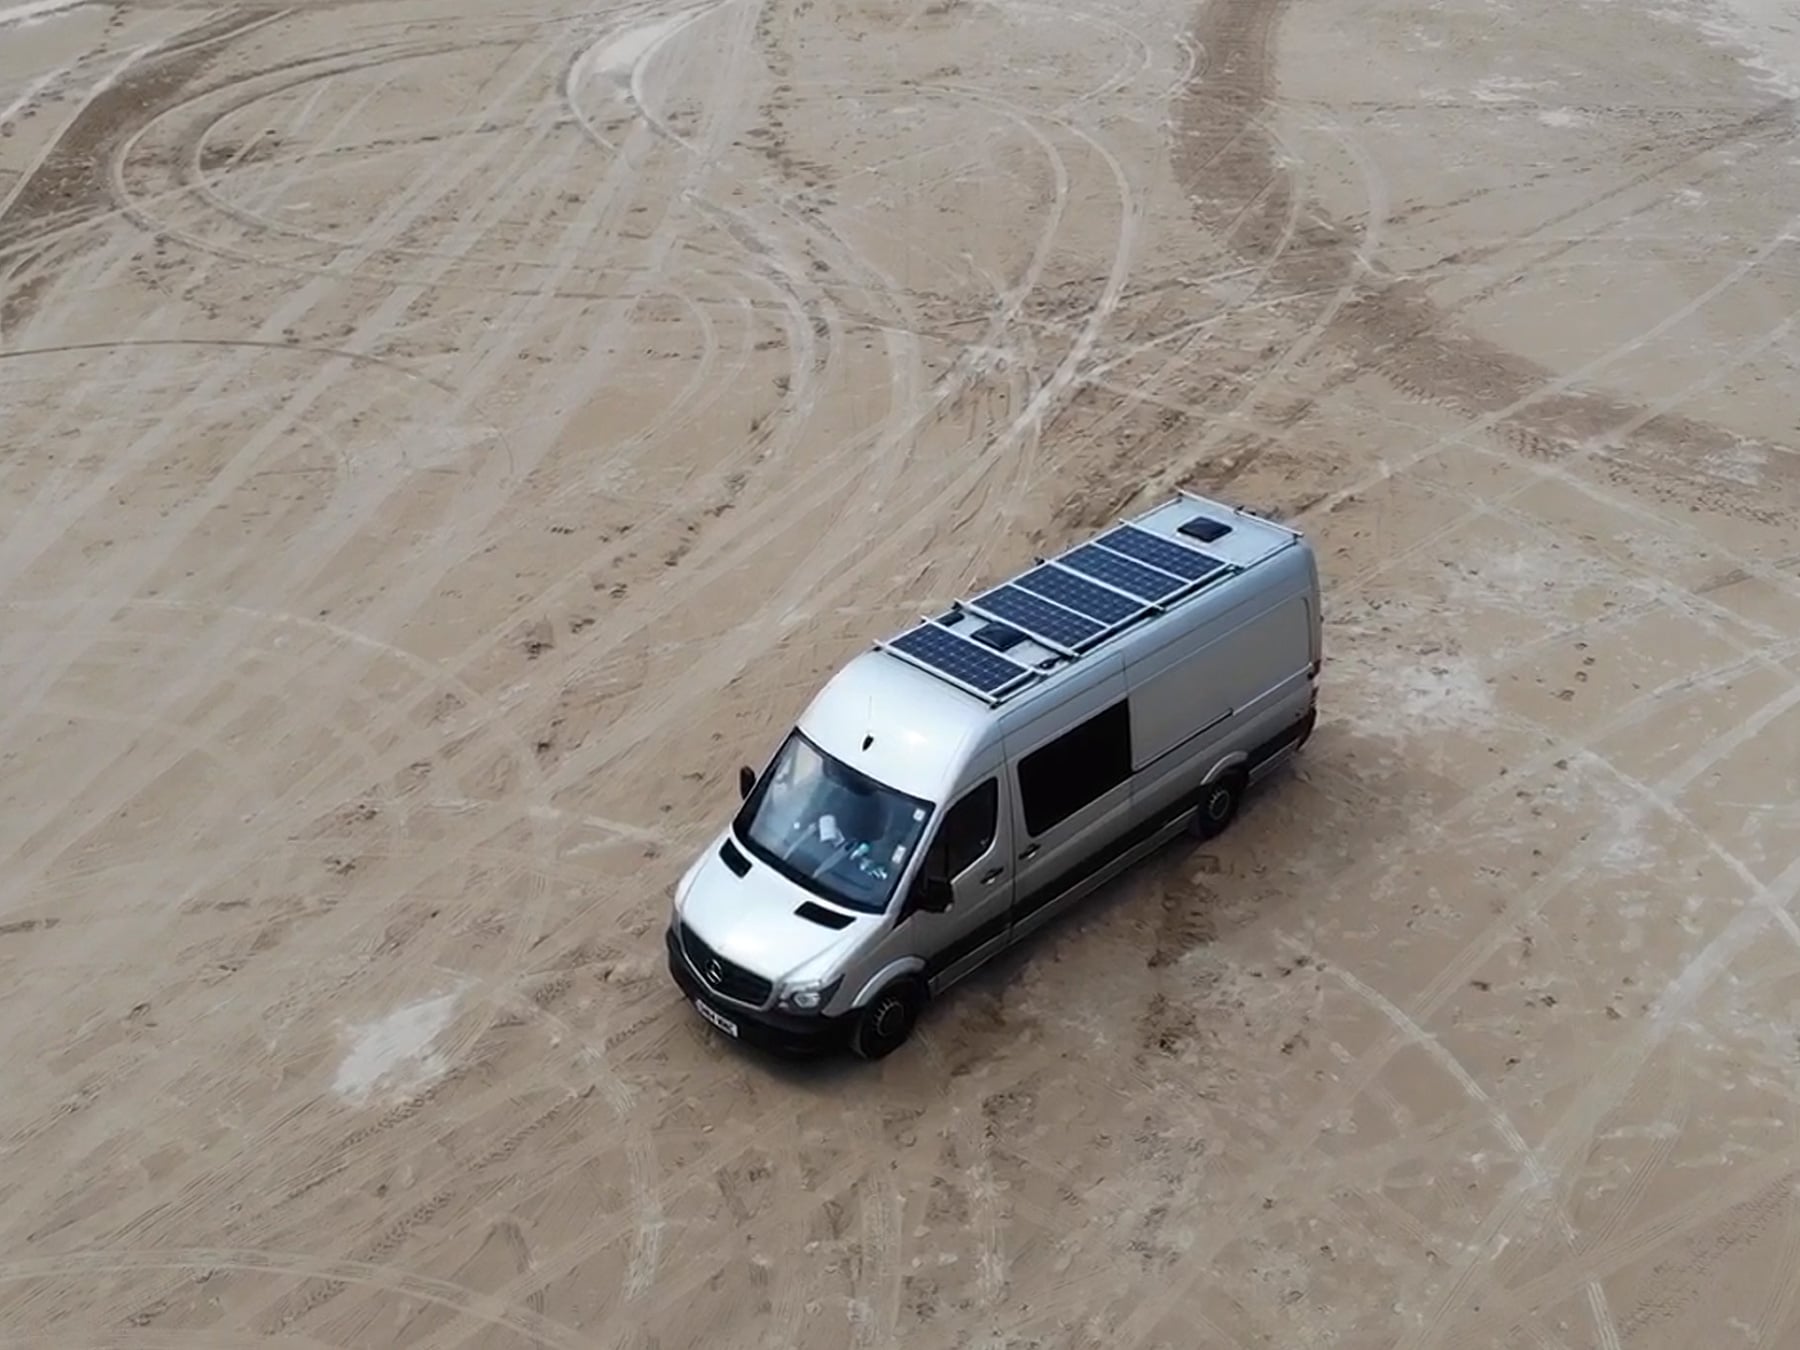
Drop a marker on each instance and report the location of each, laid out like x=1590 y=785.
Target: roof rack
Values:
x=1065 y=607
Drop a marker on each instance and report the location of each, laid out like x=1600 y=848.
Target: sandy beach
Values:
x=439 y=443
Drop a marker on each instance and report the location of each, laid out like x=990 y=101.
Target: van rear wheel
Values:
x=886 y=1021
x=1218 y=804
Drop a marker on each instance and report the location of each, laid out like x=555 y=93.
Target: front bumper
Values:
x=781 y=1032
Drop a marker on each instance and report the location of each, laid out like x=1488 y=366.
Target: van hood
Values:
x=759 y=920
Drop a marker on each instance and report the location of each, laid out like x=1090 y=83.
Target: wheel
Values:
x=1218 y=804
x=887 y=1020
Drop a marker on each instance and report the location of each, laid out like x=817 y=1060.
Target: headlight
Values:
x=808 y=997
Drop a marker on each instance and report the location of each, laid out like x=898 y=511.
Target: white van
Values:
x=950 y=790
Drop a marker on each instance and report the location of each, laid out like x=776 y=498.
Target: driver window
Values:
x=967 y=831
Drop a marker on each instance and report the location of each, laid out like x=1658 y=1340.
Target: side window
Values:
x=968 y=830
x=1075 y=769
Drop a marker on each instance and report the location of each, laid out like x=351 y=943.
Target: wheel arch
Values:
x=1237 y=761
x=893 y=970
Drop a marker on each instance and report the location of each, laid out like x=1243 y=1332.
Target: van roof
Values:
x=1042 y=622
x=908 y=714
x=895 y=722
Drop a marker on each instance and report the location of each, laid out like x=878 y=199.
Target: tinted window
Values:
x=968 y=829
x=1078 y=767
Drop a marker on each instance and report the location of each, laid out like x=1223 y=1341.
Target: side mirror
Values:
x=935 y=894
x=746 y=780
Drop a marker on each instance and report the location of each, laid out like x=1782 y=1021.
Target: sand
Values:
x=440 y=442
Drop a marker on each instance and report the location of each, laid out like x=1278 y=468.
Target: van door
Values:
x=1182 y=714
x=1072 y=800
x=972 y=846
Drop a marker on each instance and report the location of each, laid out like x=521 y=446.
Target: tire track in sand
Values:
x=127 y=570
x=407 y=207
x=534 y=1327
x=1392 y=325
x=581 y=375
x=1289 y=1151
x=71 y=164
x=89 y=402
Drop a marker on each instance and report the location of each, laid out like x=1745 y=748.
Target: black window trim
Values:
x=910 y=904
x=992 y=781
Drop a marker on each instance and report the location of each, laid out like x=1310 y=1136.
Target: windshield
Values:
x=829 y=828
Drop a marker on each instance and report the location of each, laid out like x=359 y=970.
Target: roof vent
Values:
x=1204 y=528
x=998 y=636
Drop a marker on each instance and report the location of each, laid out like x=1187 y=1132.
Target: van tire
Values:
x=1218 y=804
x=885 y=1022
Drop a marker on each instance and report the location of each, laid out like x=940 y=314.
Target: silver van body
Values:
x=949 y=791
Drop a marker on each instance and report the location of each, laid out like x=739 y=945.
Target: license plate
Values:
x=724 y=1024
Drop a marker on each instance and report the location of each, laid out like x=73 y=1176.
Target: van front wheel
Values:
x=887 y=1020
x=1218 y=805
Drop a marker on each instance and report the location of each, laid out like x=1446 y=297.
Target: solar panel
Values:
x=1072 y=592
x=1040 y=617
x=1128 y=576
x=993 y=646
x=961 y=660
x=1186 y=562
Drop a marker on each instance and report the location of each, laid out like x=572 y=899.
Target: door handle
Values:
x=1028 y=852
x=993 y=876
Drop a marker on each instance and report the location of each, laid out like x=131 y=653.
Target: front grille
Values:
x=730 y=979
